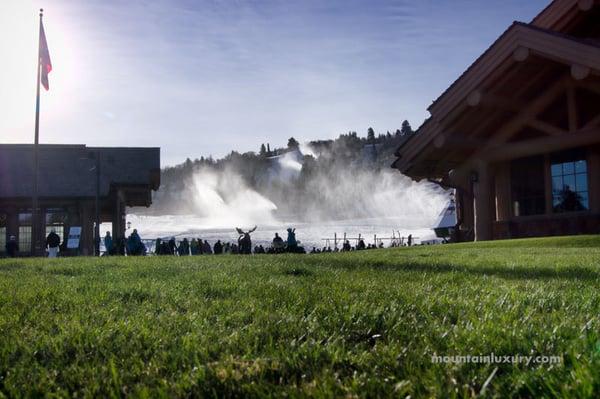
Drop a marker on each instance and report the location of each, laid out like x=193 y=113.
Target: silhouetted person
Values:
x=12 y=247
x=360 y=245
x=164 y=248
x=52 y=242
x=218 y=248
x=194 y=246
x=278 y=244
x=184 y=248
x=172 y=246
x=346 y=246
x=135 y=246
x=122 y=246
x=292 y=244
x=244 y=241
x=108 y=244
x=206 y=249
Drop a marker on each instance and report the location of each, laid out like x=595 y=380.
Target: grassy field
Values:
x=356 y=324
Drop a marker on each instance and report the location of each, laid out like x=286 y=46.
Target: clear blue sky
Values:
x=205 y=77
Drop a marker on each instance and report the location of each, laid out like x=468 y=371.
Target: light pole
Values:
x=96 y=156
x=97 y=230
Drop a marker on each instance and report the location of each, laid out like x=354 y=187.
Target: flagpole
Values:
x=35 y=223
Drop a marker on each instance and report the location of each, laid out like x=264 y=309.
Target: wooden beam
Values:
x=474 y=98
x=590 y=85
x=542 y=145
x=512 y=127
x=572 y=107
x=593 y=122
x=457 y=141
x=528 y=113
x=497 y=104
x=489 y=100
x=545 y=127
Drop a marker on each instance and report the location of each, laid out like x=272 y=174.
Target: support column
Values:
x=87 y=229
x=42 y=232
x=594 y=178
x=464 y=204
x=482 y=193
x=503 y=194
x=548 y=198
x=12 y=223
x=118 y=217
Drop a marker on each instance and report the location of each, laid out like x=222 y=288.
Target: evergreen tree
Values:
x=370 y=135
x=406 y=128
x=293 y=144
x=263 y=150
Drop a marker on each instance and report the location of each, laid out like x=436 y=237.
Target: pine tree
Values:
x=370 y=135
x=406 y=128
x=293 y=144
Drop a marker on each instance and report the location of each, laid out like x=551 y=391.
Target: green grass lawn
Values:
x=355 y=324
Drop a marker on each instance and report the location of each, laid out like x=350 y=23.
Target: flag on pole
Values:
x=44 y=58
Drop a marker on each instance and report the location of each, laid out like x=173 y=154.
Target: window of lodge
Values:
x=3 y=232
x=55 y=220
x=569 y=182
x=25 y=232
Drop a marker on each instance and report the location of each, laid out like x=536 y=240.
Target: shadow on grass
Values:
x=298 y=272
x=8 y=267
x=507 y=272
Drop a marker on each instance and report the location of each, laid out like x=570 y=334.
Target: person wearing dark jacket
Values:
x=184 y=248
x=292 y=244
x=52 y=242
x=172 y=246
x=108 y=244
x=218 y=248
x=12 y=247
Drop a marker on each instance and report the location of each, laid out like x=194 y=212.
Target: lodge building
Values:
x=72 y=179
x=517 y=135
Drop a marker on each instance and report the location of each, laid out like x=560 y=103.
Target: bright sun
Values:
x=19 y=28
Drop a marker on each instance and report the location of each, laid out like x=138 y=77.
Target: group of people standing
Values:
x=197 y=246
x=191 y=247
x=52 y=245
x=134 y=246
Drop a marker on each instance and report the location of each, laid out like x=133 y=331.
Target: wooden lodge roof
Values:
x=524 y=62
x=69 y=170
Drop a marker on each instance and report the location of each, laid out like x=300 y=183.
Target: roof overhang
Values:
x=559 y=13
x=516 y=44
